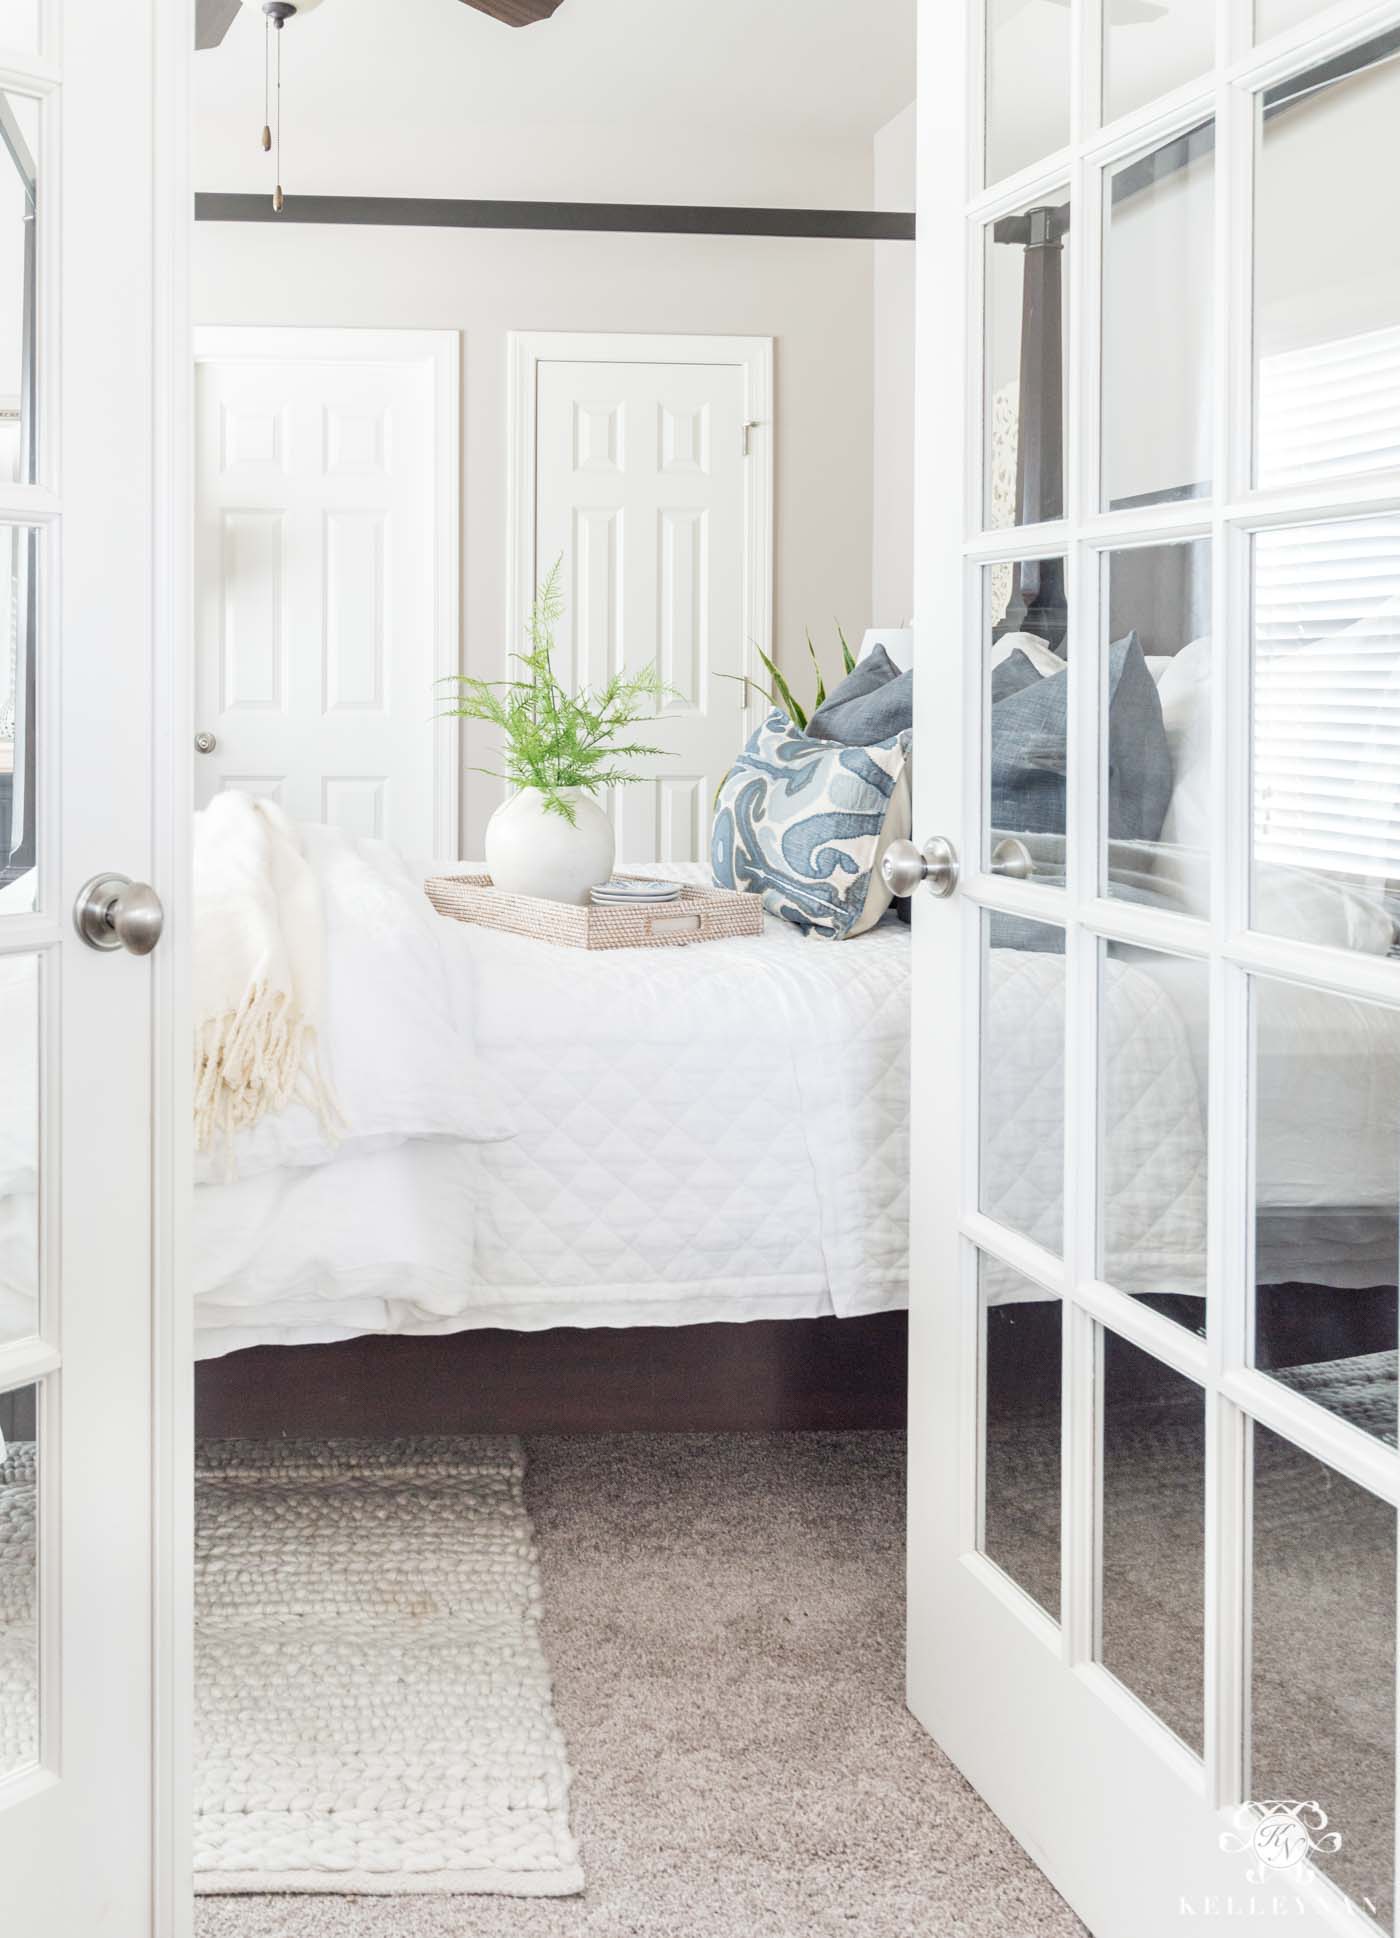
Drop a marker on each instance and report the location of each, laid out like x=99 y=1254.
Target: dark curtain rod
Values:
x=621 y=218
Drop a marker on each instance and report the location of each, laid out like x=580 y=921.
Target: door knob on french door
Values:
x=205 y=743
x=114 y=912
x=934 y=866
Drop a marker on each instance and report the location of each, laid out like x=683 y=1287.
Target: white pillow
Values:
x=1184 y=690
x=400 y=1064
x=1036 y=651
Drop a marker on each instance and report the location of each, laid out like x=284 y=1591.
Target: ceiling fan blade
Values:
x=212 y=20
x=517 y=13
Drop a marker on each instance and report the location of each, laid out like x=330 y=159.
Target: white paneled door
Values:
x=94 y=1057
x=643 y=463
x=326 y=575
x=1156 y=1230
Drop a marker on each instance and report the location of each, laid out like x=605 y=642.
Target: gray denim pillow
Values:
x=1029 y=742
x=873 y=702
x=1028 y=765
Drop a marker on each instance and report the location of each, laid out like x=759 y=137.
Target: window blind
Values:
x=1327 y=619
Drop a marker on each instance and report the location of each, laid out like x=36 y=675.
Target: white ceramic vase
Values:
x=532 y=852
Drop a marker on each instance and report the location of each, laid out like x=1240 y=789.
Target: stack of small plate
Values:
x=621 y=892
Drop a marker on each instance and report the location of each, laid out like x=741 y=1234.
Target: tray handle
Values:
x=680 y=925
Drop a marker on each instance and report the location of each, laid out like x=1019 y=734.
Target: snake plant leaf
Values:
x=821 y=683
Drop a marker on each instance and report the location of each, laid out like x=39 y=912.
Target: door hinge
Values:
x=749 y=428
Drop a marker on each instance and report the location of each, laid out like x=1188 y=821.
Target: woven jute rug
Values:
x=373 y=1709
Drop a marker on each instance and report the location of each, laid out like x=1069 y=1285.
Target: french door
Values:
x=1157 y=1018
x=93 y=582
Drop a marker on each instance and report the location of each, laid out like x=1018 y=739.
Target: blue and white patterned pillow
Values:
x=804 y=823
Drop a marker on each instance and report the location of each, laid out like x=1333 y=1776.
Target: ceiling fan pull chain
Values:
x=267 y=56
x=277 y=192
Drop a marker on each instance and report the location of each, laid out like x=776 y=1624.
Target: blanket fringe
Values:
x=254 y=1059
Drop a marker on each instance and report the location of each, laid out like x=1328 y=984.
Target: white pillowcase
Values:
x=1183 y=687
x=398 y=1059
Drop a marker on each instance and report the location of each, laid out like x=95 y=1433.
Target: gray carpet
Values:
x=724 y=1618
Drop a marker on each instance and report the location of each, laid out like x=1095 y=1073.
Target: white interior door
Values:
x=643 y=463
x=326 y=575
x=1156 y=1233
x=93 y=208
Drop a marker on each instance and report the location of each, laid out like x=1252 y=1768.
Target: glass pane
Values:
x=1026 y=708
x=19 y=146
x=19 y=1147
x=1153 y=1535
x=1327 y=300
x=1027 y=340
x=1157 y=319
x=1153 y=1095
x=1323 y=1684
x=1023 y=1077
x=1151 y=49
x=19 y=1583
x=1156 y=710
x=1326 y=715
x=1327 y=1198
x=19 y=610
x=1276 y=16
x=1028 y=51
x=1021 y=1350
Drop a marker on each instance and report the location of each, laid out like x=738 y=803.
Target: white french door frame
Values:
x=165 y=471
x=1070 y=1692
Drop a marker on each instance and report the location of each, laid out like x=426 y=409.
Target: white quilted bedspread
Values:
x=716 y=1132
x=1153 y=1123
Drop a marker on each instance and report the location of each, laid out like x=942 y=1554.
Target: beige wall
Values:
x=814 y=298
x=892 y=536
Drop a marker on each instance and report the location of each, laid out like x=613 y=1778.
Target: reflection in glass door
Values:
x=1157 y=1057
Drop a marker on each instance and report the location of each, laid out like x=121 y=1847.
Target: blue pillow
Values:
x=1028 y=786
x=871 y=703
x=804 y=822
x=1029 y=729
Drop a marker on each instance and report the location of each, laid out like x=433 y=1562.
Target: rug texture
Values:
x=373 y=1708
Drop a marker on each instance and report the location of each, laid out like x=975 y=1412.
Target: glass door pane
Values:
x=1151 y=47
x=19 y=1582
x=1326 y=286
x=1327 y=1199
x=1322 y=1688
x=1326 y=732
x=1158 y=316
x=1026 y=333
x=1152 y=1536
x=20 y=1014
x=1020 y=1498
x=1028 y=57
x=1155 y=727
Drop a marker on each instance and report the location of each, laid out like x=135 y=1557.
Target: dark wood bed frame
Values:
x=760 y=1376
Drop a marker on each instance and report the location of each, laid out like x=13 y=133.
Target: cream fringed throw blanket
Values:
x=259 y=971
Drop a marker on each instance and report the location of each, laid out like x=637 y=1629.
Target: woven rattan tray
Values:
x=696 y=915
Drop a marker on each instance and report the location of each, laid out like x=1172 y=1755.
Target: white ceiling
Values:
x=668 y=100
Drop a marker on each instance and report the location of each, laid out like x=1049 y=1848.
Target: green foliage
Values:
x=781 y=695
x=556 y=740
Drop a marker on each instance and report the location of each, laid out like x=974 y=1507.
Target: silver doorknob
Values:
x=1013 y=859
x=205 y=743
x=935 y=865
x=114 y=912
